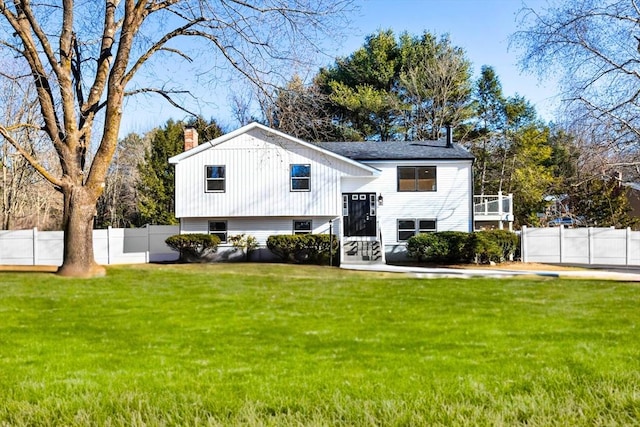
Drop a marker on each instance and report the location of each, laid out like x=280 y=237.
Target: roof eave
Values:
x=254 y=125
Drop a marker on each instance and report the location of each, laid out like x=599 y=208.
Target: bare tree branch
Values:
x=32 y=160
x=166 y=94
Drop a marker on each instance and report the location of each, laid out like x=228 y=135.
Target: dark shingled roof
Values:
x=398 y=150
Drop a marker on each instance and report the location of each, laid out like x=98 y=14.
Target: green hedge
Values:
x=449 y=247
x=304 y=248
x=193 y=247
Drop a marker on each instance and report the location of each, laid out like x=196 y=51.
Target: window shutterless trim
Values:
x=300 y=177
x=218 y=180
x=219 y=228
x=302 y=226
x=416 y=178
x=413 y=226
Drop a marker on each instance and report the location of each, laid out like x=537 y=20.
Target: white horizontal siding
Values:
x=450 y=205
x=257 y=180
x=261 y=228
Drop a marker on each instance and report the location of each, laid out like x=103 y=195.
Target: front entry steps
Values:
x=362 y=252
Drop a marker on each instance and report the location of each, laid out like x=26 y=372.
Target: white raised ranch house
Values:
x=372 y=195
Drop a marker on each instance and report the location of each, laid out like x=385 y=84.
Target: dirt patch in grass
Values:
x=521 y=266
x=514 y=265
x=30 y=268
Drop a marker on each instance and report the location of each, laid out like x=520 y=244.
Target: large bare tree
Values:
x=84 y=58
x=593 y=46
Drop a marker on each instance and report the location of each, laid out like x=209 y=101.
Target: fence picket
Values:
x=123 y=246
x=592 y=246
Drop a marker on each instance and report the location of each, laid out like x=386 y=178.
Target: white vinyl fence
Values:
x=110 y=246
x=597 y=246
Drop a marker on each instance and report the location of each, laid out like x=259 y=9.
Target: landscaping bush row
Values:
x=298 y=248
x=452 y=247
x=304 y=248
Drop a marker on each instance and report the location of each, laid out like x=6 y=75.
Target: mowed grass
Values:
x=248 y=344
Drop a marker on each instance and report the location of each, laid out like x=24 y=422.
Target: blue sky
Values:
x=481 y=27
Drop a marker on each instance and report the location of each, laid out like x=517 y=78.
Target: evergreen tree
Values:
x=406 y=88
x=156 y=185
x=362 y=87
x=489 y=123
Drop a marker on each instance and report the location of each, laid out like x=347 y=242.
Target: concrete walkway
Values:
x=425 y=272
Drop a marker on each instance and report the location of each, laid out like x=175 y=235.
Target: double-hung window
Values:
x=408 y=228
x=417 y=178
x=300 y=177
x=219 y=228
x=215 y=177
x=302 y=226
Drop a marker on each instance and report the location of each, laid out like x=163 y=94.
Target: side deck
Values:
x=493 y=211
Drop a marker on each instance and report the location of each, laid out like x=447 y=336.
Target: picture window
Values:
x=417 y=178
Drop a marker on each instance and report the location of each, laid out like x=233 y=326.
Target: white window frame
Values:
x=222 y=234
x=207 y=179
x=416 y=227
x=425 y=229
x=299 y=178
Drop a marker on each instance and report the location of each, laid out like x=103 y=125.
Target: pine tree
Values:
x=156 y=185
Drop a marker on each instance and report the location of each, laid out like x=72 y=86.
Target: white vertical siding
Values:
x=450 y=205
x=257 y=180
x=261 y=228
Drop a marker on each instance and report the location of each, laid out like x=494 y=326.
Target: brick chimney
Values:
x=190 y=138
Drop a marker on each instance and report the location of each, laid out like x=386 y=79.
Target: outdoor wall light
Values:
x=380 y=199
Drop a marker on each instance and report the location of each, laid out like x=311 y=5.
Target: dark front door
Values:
x=359 y=214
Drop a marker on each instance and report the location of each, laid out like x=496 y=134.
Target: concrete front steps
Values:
x=362 y=252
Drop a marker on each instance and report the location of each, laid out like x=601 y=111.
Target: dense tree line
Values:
x=409 y=87
x=402 y=88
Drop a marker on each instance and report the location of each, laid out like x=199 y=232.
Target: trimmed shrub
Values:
x=427 y=247
x=457 y=243
x=507 y=241
x=303 y=248
x=459 y=247
x=193 y=247
x=483 y=248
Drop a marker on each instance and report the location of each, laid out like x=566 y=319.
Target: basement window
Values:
x=408 y=228
x=302 y=226
x=219 y=228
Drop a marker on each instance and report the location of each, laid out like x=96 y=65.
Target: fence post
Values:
x=147 y=254
x=561 y=242
x=627 y=250
x=34 y=245
x=109 y=245
x=523 y=243
x=590 y=243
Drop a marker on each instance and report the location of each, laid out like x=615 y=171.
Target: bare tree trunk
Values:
x=80 y=72
x=79 y=212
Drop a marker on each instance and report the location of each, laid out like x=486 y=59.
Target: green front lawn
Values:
x=250 y=344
